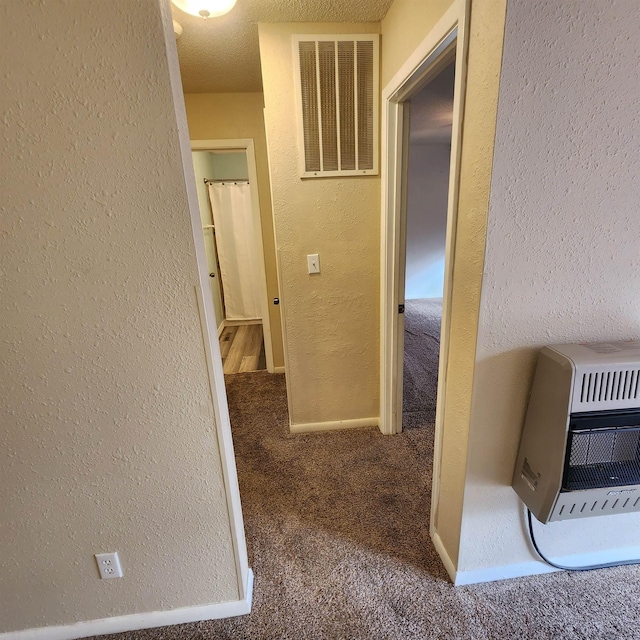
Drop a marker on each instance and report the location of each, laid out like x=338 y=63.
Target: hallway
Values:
x=337 y=528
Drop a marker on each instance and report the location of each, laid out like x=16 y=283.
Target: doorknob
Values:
x=276 y=301
x=212 y=275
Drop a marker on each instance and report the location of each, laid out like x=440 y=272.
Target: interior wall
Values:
x=427 y=193
x=230 y=166
x=486 y=33
x=217 y=116
x=405 y=26
x=204 y=167
x=562 y=262
x=332 y=318
x=108 y=439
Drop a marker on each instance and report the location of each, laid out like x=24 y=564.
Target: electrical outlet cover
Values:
x=109 y=565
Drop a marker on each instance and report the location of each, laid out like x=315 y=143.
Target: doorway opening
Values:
x=425 y=214
x=440 y=59
x=226 y=182
x=218 y=313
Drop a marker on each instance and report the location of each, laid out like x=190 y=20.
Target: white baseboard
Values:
x=444 y=556
x=237 y=323
x=137 y=621
x=278 y=370
x=307 y=427
x=537 y=567
x=492 y=574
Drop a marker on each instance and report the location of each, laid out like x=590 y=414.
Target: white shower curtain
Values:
x=235 y=239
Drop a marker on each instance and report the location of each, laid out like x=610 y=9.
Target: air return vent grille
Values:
x=607 y=389
x=337 y=94
x=576 y=504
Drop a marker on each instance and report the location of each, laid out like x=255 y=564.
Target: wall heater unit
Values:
x=580 y=450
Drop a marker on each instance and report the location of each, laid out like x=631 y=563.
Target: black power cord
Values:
x=590 y=567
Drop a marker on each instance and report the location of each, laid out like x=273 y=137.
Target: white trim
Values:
x=257 y=220
x=236 y=323
x=454 y=24
x=401 y=148
x=247 y=145
x=336 y=72
x=448 y=21
x=307 y=427
x=285 y=343
x=223 y=431
x=283 y=321
x=444 y=556
x=137 y=621
x=208 y=321
x=319 y=97
x=533 y=568
x=391 y=227
x=224 y=144
x=342 y=173
x=492 y=574
x=462 y=49
x=239 y=323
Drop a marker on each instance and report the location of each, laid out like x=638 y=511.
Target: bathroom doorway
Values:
x=226 y=183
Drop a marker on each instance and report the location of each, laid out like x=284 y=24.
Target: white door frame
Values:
x=451 y=31
x=247 y=145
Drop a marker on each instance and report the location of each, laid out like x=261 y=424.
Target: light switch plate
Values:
x=313 y=263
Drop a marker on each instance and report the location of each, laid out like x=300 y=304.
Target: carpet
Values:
x=337 y=533
x=421 y=354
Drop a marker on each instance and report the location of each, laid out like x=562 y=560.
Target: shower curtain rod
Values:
x=208 y=181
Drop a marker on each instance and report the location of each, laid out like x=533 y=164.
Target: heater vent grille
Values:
x=337 y=88
x=602 y=458
x=570 y=505
x=610 y=385
x=607 y=389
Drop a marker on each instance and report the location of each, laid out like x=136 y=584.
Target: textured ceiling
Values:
x=432 y=110
x=221 y=55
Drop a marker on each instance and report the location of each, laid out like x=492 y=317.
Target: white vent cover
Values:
x=336 y=79
x=577 y=504
x=606 y=388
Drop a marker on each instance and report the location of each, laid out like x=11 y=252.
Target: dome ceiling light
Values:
x=205 y=8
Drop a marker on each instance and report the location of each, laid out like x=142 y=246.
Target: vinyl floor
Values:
x=242 y=349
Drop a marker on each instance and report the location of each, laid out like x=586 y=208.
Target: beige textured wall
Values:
x=478 y=133
x=332 y=319
x=107 y=438
x=562 y=261
x=478 y=136
x=404 y=27
x=216 y=116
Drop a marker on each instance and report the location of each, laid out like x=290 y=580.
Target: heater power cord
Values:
x=590 y=567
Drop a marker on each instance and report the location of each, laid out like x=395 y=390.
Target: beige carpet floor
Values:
x=422 y=319
x=337 y=530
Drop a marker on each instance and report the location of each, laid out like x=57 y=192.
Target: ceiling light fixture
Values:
x=205 y=8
